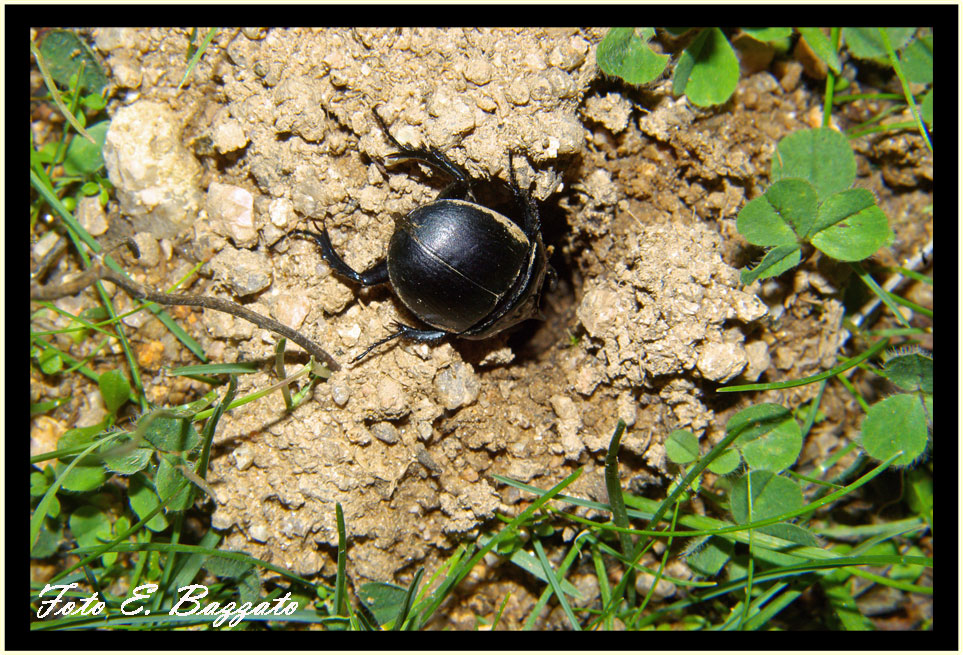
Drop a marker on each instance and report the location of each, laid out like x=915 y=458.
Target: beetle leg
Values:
x=459 y=189
x=524 y=201
x=377 y=274
x=551 y=282
x=404 y=332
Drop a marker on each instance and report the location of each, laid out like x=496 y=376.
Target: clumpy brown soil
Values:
x=639 y=192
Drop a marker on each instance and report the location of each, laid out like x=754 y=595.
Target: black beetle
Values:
x=459 y=266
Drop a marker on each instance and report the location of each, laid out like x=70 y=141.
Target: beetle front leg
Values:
x=377 y=274
x=523 y=198
x=459 y=189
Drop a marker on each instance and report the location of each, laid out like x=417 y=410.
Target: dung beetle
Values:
x=460 y=267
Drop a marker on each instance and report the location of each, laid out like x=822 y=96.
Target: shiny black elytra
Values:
x=460 y=267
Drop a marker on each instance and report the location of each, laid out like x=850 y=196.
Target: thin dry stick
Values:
x=98 y=272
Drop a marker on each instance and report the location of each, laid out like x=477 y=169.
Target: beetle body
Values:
x=460 y=267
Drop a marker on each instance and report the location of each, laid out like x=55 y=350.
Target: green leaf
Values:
x=755 y=416
x=911 y=371
x=850 y=227
x=682 y=447
x=919 y=492
x=90 y=526
x=836 y=587
x=768 y=34
x=896 y=424
x=927 y=108
x=792 y=532
x=383 y=600
x=709 y=559
x=841 y=205
x=794 y=202
x=708 y=70
x=36 y=409
x=917 y=61
x=227 y=567
x=820 y=44
x=774 y=450
x=623 y=54
x=772 y=495
x=83 y=157
x=143 y=501
x=775 y=219
x=169 y=479
x=66 y=55
x=82 y=477
x=776 y=262
x=94 y=102
x=725 y=463
x=124 y=459
x=49 y=540
x=114 y=389
x=119 y=527
x=761 y=221
x=50 y=361
x=47 y=153
x=821 y=156
x=38 y=484
x=907 y=572
x=771 y=441
x=694 y=484
x=80 y=332
x=79 y=436
x=866 y=42
x=171 y=434
x=53 y=505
